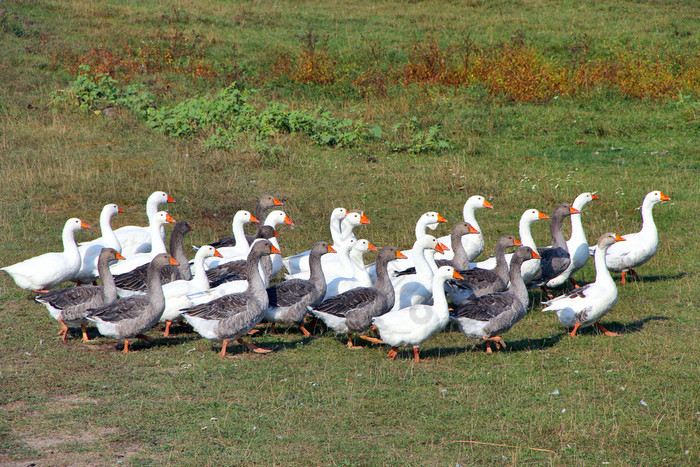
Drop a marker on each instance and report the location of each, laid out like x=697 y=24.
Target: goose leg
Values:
x=623 y=278
x=305 y=331
x=576 y=326
x=416 y=357
x=167 y=328
x=145 y=338
x=351 y=344
x=497 y=340
x=635 y=275
x=373 y=340
x=223 y=349
x=605 y=331
x=573 y=282
x=85 y=336
x=41 y=290
x=252 y=347
x=392 y=353
x=64 y=330
x=126 y=346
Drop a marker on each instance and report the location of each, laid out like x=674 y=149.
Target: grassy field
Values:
x=388 y=73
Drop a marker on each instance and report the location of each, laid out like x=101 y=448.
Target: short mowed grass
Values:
x=546 y=399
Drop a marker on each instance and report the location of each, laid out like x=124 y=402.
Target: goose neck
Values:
x=109 y=288
x=69 y=245
x=108 y=234
x=525 y=231
x=602 y=273
x=157 y=243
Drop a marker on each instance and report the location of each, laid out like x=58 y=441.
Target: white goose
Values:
x=176 y=292
x=43 y=272
x=299 y=262
x=273 y=219
x=473 y=244
x=429 y=220
x=241 y=247
x=359 y=277
x=415 y=289
x=90 y=251
x=157 y=221
x=530 y=267
x=135 y=239
x=585 y=306
x=577 y=243
x=639 y=247
x=415 y=324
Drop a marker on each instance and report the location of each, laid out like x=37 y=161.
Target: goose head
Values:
x=159 y=197
x=266 y=202
x=583 y=199
x=655 y=197
x=339 y=214
x=277 y=217
x=243 y=217
x=447 y=272
x=477 y=202
x=532 y=215
x=74 y=224
x=508 y=241
x=162 y=218
x=207 y=251
x=363 y=246
x=608 y=239
x=431 y=220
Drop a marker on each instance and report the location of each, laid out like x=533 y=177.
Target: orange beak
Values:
x=254 y=219
x=572 y=210
x=277 y=202
x=400 y=255
x=543 y=216
x=619 y=239
x=371 y=248
x=276 y=234
x=487 y=205
x=173 y=261
x=456 y=275
x=364 y=219
x=274 y=250
x=169 y=218
x=594 y=197
x=441 y=219
x=535 y=255
x=119 y=256
x=288 y=221
x=83 y=225
x=441 y=248
x=119 y=209
x=331 y=250
x=170 y=200
x=217 y=254
x=516 y=242
x=472 y=230
x=664 y=197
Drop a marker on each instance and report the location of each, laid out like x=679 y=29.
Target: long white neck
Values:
x=421 y=225
x=346 y=230
x=468 y=215
x=336 y=235
x=358 y=265
x=200 y=279
x=648 y=224
x=425 y=263
x=577 y=233
x=525 y=231
x=439 y=300
x=152 y=205
x=239 y=233
x=344 y=258
x=602 y=274
x=108 y=236
x=157 y=243
x=69 y=245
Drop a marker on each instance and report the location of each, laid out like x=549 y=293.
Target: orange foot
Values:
x=305 y=331
x=392 y=353
x=416 y=356
x=252 y=347
x=606 y=332
x=573 y=332
x=351 y=345
x=497 y=340
x=373 y=340
x=85 y=336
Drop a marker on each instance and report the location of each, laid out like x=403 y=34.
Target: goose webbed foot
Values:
x=64 y=331
x=252 y=347
x=373 y=340
x=392 y=353
x=351 y=344
x=605 y=331
x=83 y=328
x=305 y=331
x=573 y=332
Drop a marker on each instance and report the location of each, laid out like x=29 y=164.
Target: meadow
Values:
x=392 y=107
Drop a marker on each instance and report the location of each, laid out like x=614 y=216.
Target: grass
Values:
x=593 y=399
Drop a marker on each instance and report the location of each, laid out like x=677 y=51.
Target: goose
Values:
x=135 y=280
x=459 y=261
x=415 y=324
x=477 y=282
x=352 y=311
x=264 y=204
x=238 y=242
x=555 y=259
x=414 y=289
x=43 y=272
x=135 y=239
x=576 y=244
x=288 y=300
x=176 y=292
x=130 y=317
x=639 y=247
x=340 y=269
x=233 y=316
x=586 y=306
x=429 y=220
x=473 y=244
x=489 y=316
x=531 y=266
x=360 y=277
x=235 y=270
x=237 y=245
x=90 y=251
x=158 y=220
x=293 y=263
x=273 y=219
x=349 y=222
x=68 y=306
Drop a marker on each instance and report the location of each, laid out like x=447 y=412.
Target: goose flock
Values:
x=403 y=299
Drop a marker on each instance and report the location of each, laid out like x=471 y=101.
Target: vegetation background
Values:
x=393 y=107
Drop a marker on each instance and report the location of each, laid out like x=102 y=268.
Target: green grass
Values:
x=314 y=401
